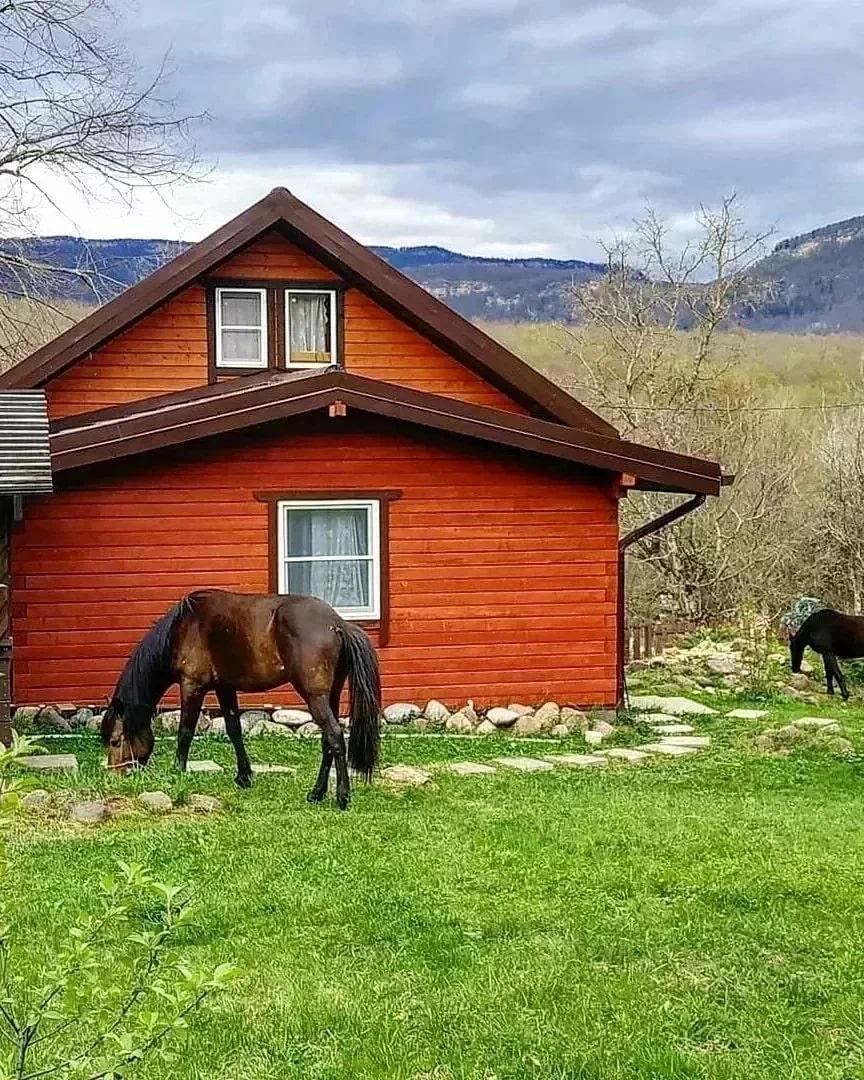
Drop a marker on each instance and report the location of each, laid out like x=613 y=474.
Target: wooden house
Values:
x=277 y=409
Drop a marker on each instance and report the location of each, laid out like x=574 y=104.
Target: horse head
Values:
x=128 y=733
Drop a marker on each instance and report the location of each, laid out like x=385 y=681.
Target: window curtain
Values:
x=341 y=582
x=309 y=317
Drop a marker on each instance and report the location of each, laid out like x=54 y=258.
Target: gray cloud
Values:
x=506 y=125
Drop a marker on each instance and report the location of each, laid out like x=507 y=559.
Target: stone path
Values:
x=48 y=762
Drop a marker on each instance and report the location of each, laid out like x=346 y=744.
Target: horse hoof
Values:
x=243 y=780
x=343 y=801
x=315 y=796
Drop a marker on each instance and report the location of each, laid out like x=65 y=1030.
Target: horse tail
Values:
x=364 y=681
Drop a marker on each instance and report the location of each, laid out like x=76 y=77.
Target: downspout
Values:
x=653 y=526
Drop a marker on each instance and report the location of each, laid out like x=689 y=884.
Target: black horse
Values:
x=831 y=634
x=225 y=642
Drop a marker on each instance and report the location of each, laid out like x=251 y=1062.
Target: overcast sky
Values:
x=507 y=127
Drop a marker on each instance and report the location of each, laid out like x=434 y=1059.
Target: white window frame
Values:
x=256 y=365
x=373 y=517
x=289 y=292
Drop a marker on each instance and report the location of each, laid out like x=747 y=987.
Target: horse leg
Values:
x=334 y=742
x=837 y=672
x=227 y=698
x=191 y=700
x=319 y=791
x=829 y=674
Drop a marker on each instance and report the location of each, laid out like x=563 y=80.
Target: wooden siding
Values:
x=167 y=349
x=502 y=567
x=163 y=352
x=380 y=346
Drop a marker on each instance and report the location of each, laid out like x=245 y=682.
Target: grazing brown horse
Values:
x=225 y=642
x=831 y=634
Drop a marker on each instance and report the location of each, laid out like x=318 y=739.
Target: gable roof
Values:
x=172 y=419
x=25 y=461
x=350 y=259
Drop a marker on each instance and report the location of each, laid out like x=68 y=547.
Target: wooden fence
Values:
x=644 y=640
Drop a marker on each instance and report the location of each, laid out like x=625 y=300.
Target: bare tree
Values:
x=73 y=106
x=653 y=347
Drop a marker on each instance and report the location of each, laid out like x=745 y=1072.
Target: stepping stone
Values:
x=814 y=723
x=747 y=714
x=157 y=801
x=405 y=774
x=696 y=741
x=203 y=766
x=60 y=762
x=677 y=706
x=470 y=768
x=524 y=764
x=659 y=718
x=673 y=729
x=669 y=749
x=204 y=804
x=88 y=813
x=575 y=761
x=623 y=753
x=36 y=799
x=263 y=767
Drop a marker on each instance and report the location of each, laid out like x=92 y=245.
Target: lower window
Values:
x=332 y=550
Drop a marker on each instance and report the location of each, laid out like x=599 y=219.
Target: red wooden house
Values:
x=277 y=409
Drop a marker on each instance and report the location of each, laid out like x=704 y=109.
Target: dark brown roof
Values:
x=240 y=403
x=356 y=264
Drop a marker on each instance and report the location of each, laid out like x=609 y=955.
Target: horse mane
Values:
x=147 y=674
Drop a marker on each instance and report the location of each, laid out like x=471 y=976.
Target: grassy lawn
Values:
x=691 y=918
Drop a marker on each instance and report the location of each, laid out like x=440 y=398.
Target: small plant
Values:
x=114 y=990
x=756 y=649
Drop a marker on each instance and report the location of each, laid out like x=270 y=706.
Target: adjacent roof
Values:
x=177 y=418
x=352 y=261
x=25 y=460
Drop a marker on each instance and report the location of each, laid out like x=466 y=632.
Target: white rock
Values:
x=520 y=710
x=251 y=718
x=203 y=767
x=677 y=706
x=560 y=731
x=459 y=724
x=668 y=749
x=524 y=764
x=469 y=711
x=549 y=714
x=157 y=801
x=748 y=714
x=575 y=761
x=406 y=774
x=814 y=723
x=50 y=762
x=593 y=738
x=673 y=729
x=401 y=712
x=503 y=718
x=88 y=813
x=487 y=728
x=470 y=768
x=687 y=740
x=436 y=712
x=603 y=726
x=36 y=799
x=309 y=731
x=574 y=718
x=217 y=725
x=292 y=718
x=204 y=804
x=623 y=753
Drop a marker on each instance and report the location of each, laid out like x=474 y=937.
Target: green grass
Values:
x=696 y=918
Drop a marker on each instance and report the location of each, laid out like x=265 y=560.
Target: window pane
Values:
x=309 y=328
x=241 y=345
x=338 y=531
x=241 y=309
x=342 y=583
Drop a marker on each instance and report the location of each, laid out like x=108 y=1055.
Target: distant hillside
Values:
x=477 y=287
x=819 y=277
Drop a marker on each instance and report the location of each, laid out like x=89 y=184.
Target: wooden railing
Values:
x=644 y=640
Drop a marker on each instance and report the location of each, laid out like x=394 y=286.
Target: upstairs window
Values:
x=241 y=328
x=332 y=550
x=310 y=321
